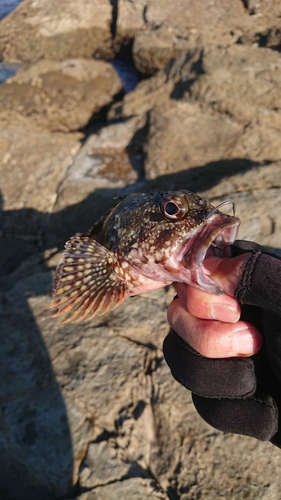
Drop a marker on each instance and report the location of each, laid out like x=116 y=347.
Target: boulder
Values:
x=188 y=136
x=36 y=161
x=210 y=105
x=130 y=19
x=104 y=167
x=58 y=96
x=47 y=29
x=137 y=488
x=161 y=30
x=181 y=26
x=90 y=410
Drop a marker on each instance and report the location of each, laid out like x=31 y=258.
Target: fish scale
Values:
x=146 y=241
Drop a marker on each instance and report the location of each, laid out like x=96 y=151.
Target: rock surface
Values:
x=58 y=96
x=91 y=411
x=173 y=28
x=224 y=99
x=47 y=29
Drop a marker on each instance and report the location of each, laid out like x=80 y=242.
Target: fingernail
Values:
x=224 y=312
x=245 y=343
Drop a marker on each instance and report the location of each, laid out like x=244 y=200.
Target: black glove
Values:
x=240 y=395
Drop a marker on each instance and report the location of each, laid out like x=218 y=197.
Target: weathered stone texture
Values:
x=91 y=409
x=47 y=29
x=58 y=96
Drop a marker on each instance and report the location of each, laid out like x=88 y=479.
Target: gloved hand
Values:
x=237 y=394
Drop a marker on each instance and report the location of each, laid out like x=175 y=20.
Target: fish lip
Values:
x=213 y=239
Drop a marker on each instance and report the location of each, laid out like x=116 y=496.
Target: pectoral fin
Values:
x=87 y=280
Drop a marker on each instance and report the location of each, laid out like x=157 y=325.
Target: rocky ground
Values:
x=90 y=411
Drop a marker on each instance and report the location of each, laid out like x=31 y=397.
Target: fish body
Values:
x=147 y=241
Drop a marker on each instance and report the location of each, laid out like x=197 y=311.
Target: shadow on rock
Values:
x=36 y=455
x=27 y=231
x=80 y=217
x=35 y=442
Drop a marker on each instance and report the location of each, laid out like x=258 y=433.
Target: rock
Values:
x=38 y=161
x=120 y=419
x=80 y=356
x=124 y=443
x=104 y=159
x=196 y=16
x=229 y=177
x=91 y=409
x=106 y=461
x=192 y=136
x=58 y=96
x=162 y=31
x=179 y=27
x=204 y=112
x=241 y=82
x=152 y=50
x=44 y=29
x=266 y=17
x=46 y=159
x=130 y=19
x=136 y=488
x=134 y=320
x=36 y=440
x=102 y=169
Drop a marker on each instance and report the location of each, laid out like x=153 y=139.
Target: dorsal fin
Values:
x=88 y=280
x=97 y=227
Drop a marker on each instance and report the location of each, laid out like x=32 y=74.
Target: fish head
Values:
x=167 y=235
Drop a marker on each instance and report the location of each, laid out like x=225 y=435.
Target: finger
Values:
x=214 y=339
x=205 y=305
x=227 y=273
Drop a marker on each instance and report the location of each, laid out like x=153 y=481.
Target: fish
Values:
x=145 y=242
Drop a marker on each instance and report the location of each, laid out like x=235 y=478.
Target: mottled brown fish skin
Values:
x=139 y=245
x=138 y=220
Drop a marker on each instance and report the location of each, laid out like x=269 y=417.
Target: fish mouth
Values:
x=213 y=239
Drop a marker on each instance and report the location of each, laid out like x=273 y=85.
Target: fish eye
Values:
x=174 y=209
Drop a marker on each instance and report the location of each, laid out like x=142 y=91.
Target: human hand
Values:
x=211 y=323
x=232 y=363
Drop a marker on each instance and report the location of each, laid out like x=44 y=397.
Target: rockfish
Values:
x=146 y=241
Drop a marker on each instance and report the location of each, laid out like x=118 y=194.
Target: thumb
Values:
x=227 y=273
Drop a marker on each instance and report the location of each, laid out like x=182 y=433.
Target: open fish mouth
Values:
x=145 y=242
x=213 y=239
